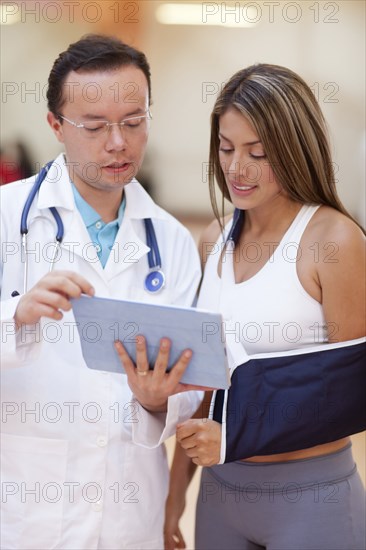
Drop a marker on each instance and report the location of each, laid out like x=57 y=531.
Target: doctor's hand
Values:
x=153 y=387
x=201 y=440
x=50 y=296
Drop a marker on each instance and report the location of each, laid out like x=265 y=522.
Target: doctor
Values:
x=72 y=473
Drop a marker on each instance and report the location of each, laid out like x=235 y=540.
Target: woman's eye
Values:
x=226 y=150
x=258 y=156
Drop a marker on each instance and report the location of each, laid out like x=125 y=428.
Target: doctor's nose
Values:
x=116 y=138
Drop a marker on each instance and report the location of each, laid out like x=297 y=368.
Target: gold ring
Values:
x=142 y=372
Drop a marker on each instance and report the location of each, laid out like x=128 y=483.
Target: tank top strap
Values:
x=300 y=223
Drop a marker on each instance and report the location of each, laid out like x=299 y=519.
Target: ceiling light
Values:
x=209 y=13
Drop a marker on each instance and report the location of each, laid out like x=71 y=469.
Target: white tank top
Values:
x=270 y=312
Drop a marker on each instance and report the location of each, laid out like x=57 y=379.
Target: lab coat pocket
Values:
x=33 y=475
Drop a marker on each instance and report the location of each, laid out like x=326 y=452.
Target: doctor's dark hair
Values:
x=289 y=122
x=93 y=52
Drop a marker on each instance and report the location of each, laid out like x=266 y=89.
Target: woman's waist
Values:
x=321 y=471
x=311 y=452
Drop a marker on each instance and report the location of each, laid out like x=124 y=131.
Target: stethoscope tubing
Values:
x=24 y=223
x=153 y=256
x=28 y=203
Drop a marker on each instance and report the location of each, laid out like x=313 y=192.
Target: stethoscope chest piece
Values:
x=154 y=281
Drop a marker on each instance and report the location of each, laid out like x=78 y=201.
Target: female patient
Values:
x=294 y=279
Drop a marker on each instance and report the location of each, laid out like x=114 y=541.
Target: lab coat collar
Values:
x=139 y=204
x=56 y=191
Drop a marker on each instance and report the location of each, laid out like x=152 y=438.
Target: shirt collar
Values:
x=91 y=216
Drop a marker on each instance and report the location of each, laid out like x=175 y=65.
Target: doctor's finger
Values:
x=50 y=298
x=177 y=371
x=50 y=313
x=71 y=287
x=162 y=360
x=30 y=315
x=142 y=363
x=70 y=283
x=125 y=359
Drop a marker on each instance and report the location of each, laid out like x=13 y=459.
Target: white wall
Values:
x=325 y=46
x=28 y=51
x=329 y=55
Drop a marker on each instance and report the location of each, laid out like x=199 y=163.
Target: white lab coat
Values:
x=82 y=464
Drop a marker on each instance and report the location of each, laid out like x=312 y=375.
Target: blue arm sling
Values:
x=288 y=402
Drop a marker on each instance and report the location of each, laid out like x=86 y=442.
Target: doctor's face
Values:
x=98 y=156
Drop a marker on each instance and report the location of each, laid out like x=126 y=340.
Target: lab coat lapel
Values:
x=130 y=244
x=128 y=248
x=77 y=241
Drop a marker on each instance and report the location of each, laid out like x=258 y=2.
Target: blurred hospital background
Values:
x=193 y=48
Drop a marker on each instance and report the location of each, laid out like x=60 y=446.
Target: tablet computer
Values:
x=102 y=321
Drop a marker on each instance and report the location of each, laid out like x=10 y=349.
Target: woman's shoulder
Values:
x=338 y=262
x=328 y=225
x=334 y=242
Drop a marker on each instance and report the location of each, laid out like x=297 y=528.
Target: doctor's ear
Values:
x=56 y=126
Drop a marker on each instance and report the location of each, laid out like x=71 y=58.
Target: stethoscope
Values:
x=154 y=280
x=236 y=227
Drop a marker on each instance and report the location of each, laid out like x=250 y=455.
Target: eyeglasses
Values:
x=97 y=128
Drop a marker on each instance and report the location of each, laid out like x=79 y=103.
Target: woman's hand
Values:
x=153 y=387
x=201 y=440
x=174 y=509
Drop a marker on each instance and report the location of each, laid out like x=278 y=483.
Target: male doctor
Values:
x=83 y=465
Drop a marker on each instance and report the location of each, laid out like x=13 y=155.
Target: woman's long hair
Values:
x=288 y=120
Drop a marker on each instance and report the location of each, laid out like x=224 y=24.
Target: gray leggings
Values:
x=309 y=504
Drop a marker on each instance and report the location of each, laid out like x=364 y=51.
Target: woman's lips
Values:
x=242 y=189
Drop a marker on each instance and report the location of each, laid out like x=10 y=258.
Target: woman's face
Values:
x=249 y=177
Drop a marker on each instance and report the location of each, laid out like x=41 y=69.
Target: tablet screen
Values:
x=102 y=321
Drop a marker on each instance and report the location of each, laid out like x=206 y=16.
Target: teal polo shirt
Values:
x=101 y=234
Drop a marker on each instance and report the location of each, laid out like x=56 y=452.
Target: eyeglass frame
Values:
x=107 y=124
